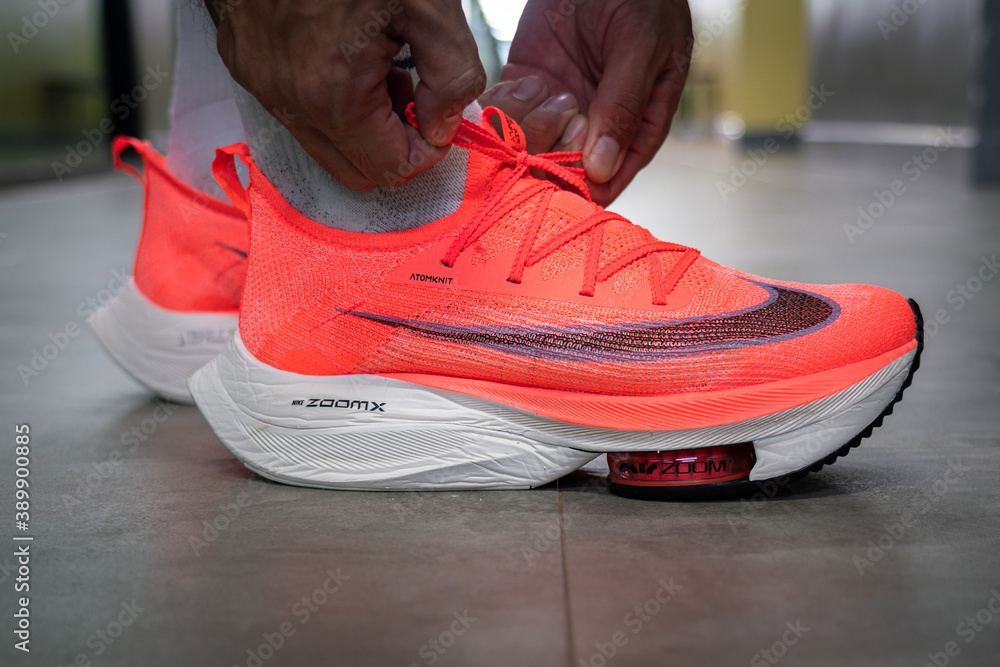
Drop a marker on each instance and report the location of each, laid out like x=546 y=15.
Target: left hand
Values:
x=625 y=61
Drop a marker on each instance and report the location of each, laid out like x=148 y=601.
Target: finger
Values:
x=446 y=58
x=368 y=154
x=320 y=148
x=652 y=132
x=400 y=87
x=616 y=111
x=423 y=155
x=544 y=126
x=574 y=135
x=514 y=72
x=516 y=98
x=376 y=140
x=490 y=97
x=605 y=193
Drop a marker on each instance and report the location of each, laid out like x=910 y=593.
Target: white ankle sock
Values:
x=203 y=113
x=313 y=192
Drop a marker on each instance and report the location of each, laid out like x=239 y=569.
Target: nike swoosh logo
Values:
x=785 y=314
x=233 y=249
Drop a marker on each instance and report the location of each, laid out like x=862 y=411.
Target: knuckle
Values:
x=623 y=122
x=466 y=86
x=360 y=157
x=629 y=104
x=540 y=127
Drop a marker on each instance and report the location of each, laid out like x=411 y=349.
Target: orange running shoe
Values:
x=509 y=343
x=180 y=308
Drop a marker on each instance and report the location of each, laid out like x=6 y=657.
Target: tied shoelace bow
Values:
x=510 y=151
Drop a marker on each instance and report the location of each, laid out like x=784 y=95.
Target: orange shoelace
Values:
x=500 y=202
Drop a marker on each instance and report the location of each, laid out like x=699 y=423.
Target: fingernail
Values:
x=604 y=159
x=560 y=103
x=528 y=89
x=441 y=135
x=495 y=92
x=573 y=137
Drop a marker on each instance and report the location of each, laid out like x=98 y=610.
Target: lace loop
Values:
x=499 y=203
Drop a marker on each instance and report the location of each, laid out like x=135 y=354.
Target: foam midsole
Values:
x=360 y=405
x=159 y=347
x=681 y=411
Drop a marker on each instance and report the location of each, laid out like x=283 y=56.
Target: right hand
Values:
x=326 y=73
x=551 y=123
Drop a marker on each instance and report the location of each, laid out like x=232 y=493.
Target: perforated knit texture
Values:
x=192 y=249
x=320 y=305
x=569 y=256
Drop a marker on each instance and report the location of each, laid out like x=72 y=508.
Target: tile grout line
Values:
x=571 y=653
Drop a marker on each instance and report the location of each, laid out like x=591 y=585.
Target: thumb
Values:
x=616 y=112
x=446 y=59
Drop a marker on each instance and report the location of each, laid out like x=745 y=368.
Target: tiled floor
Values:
x=153 y=546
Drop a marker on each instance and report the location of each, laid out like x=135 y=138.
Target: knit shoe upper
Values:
x=192 y=253
x=531 y=285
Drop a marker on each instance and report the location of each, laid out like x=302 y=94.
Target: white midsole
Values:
x=325 y=431
x=158 y=347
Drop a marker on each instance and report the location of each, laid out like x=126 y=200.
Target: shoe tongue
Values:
x=567 y=208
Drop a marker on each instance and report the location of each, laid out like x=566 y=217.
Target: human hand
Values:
x=328 y=65
x=551 y=123
x=625 y=61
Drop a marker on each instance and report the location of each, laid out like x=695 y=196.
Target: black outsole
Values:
x=769 y=487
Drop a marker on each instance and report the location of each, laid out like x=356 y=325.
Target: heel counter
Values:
x=192 y=249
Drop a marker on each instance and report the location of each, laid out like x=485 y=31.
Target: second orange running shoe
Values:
x=511 y=342
x=180 y=308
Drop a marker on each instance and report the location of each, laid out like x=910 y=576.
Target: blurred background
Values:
x=820 y=141
x=897 y=70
